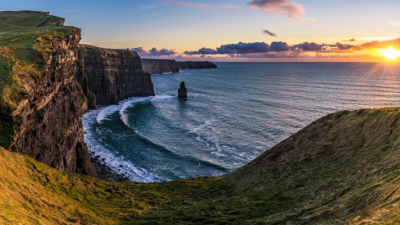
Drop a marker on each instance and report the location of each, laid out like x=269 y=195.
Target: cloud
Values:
x=350 y=40
x=202 y=51
x=140 y=50
x=279 y=46
x=382 y=44
x=341 y=46
x=154 y=52
x=269 y=33
x=272 y=55
x=241 y=48
x=286 y=7
x=200 y=6
x=308 y=47
x=244 y=48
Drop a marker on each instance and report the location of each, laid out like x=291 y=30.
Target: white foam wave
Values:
x=106 y=112
x=123 y=105
x=201 y=127
x=118 y=164
x=163 y=97
x=198 y=138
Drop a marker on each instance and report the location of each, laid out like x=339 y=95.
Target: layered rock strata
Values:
x=48 y=123
x=160 y=66
x=108 y=75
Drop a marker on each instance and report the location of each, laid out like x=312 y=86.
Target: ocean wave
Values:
x=117 y=164
x=105 y=112
x=201 y=127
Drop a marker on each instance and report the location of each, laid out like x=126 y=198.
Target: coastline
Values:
x=107 y=165
x=104 y=172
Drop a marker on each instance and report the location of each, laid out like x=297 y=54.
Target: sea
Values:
x=233 y=114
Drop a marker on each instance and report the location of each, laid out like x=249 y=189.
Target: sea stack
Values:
x=182 y=91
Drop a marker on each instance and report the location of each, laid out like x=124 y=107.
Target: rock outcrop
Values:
x=182 y=91
x=48 y=120
x=109 y=75
x=41 y=96
x=160 y=66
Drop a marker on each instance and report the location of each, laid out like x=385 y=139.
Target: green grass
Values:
x=341 y=169
x=23 y=50
x=15 y=19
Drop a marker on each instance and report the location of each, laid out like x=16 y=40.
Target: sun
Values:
x=390 y=53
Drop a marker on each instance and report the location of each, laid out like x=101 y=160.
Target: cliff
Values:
x=340 y=169
x=110 y=75
x=41 y=102
x=160 y=66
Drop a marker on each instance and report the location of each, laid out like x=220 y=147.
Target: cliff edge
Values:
x=341 y=169
x=48 y=80
x=108 y=76
x=41 y=104
x=160 y=66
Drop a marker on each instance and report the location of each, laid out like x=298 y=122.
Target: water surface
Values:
x=235 y=113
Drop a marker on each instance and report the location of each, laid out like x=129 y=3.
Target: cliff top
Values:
x=15 y=19
x=22 y=50
x=110 y=51
x=342 y=168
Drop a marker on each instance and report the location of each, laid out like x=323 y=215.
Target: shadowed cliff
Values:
x=160 y=66
x=41 y=104
x=48 y=80
x=108 y=76
x=340 y=169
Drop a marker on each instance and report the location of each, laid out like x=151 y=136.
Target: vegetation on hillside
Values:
x=24 y=47
x=342 y=168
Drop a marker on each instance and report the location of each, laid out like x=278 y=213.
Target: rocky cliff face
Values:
x=195 y=65
x=41 y=100
x=108 y=76
x=160 y=66
x=49 y=121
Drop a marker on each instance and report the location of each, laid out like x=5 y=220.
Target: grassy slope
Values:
x=341 y=168
x=33 y=193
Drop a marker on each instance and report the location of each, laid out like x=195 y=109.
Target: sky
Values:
x=235 y=30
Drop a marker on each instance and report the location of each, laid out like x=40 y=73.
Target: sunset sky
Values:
x=235 y=30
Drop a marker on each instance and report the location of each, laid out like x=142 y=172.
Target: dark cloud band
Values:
x=154 y=52
x=269 y=33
